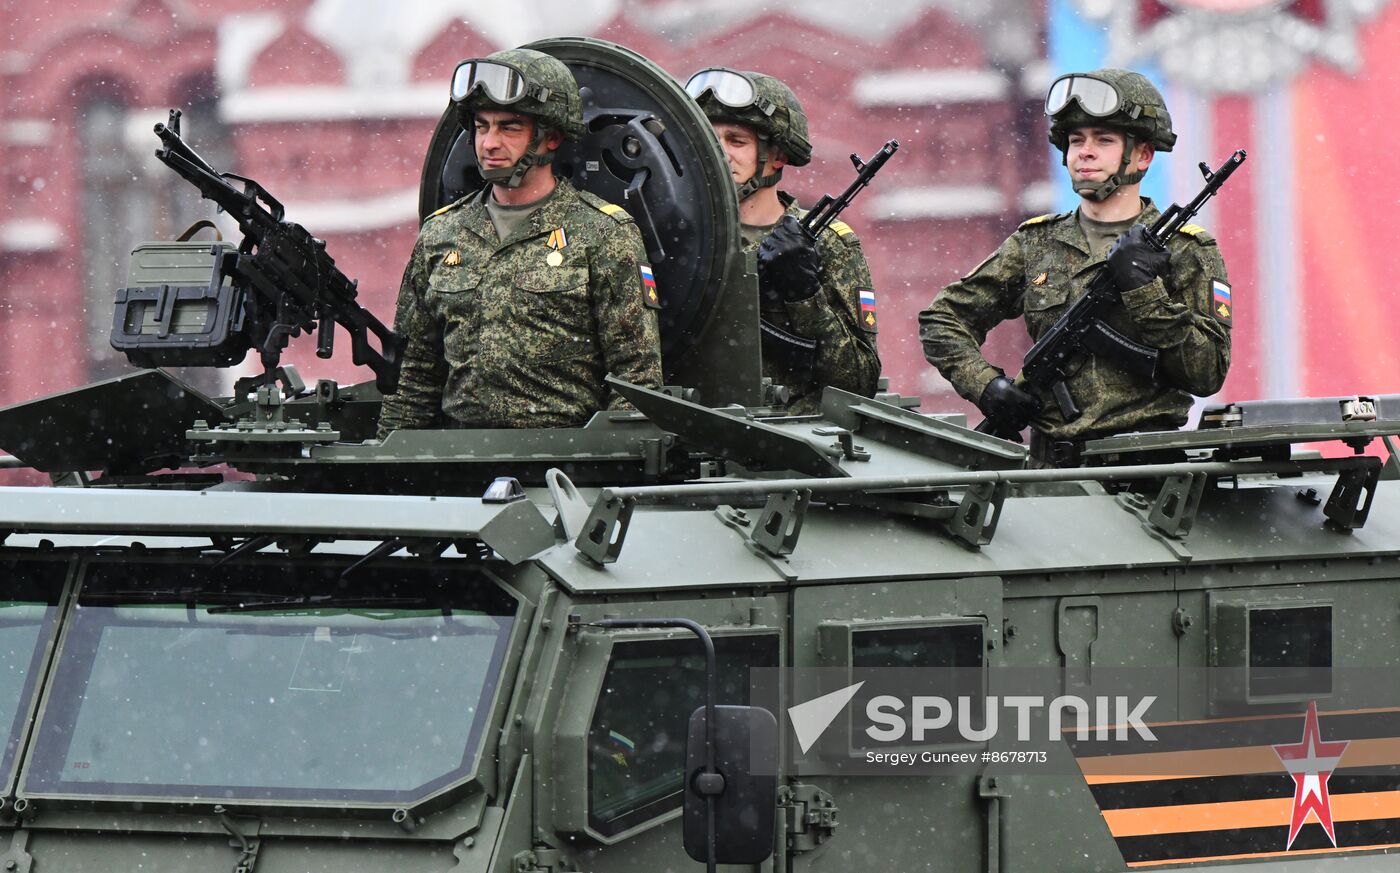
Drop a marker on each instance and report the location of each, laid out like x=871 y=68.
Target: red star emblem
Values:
x=1311 y=763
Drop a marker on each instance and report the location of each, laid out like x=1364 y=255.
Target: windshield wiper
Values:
x=187 y=595
x=330 y=601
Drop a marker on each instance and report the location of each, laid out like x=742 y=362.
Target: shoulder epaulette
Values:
x=451 y=206
x=612 y=210
x=1195 y=231
x=841 y=228
x=1040 y=219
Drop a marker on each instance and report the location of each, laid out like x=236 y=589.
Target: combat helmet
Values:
x=525 y=81
x=1118 y=99
x=762 y=103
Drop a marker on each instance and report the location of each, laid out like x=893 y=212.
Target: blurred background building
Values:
x=330 y=104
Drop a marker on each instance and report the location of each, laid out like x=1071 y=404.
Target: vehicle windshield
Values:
x=27 y=615
x=195 y=681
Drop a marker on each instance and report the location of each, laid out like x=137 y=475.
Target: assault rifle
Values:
x=280 y=282
x=798 y=354
x=1084 y=329
x=828 y=207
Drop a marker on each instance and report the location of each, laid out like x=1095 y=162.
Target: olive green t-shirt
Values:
x=753 y=234
x=508 y=219
x=1101 y=234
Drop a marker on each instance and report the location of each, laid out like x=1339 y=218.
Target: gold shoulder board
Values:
x=1198 y=233
x=447 y=208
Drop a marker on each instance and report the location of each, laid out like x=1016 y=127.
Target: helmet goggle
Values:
x=730 y=87
x=1095 y=96
x=502 y=83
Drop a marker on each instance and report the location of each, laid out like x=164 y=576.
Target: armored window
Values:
x=903 y=659
x=940 y=645
x=636 y=740
x=1265 y=652
x=1290 y=651
x=251 y=682
x=28 y=614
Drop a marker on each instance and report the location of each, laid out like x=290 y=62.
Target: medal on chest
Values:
x=558 y=239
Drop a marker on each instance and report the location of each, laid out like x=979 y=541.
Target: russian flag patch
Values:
x=867 y=308
x=1221 y=306
x=649 y=295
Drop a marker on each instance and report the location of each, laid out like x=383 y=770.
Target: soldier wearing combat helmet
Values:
x=1108 y=125
x=817 y=300
x=520 y=298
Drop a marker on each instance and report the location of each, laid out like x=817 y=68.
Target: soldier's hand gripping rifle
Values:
x=798 y=354
x=1084 y=328
x=288 y=281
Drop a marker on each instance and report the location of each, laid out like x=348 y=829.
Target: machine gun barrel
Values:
x=291 y=281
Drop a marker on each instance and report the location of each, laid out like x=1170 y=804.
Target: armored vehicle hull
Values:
x=243 y=634
x=237 y=676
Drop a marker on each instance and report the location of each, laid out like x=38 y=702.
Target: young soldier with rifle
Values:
x=1157 y=330
x=817 y=300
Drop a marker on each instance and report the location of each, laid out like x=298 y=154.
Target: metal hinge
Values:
x=247 y=846
x=809 y=816
x=541 y=860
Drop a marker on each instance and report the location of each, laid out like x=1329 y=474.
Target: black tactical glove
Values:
x=788 y=264
x=1134 y=261
x=1009 y=408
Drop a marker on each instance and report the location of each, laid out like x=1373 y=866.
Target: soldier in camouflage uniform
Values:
x=520 y=298
x=817 y=300
x=1107 y=124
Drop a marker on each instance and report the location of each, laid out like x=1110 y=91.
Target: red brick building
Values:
x=330 y=104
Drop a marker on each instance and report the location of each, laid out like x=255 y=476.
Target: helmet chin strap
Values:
x=758 y=180
x=514 y=175
x=1101 y=191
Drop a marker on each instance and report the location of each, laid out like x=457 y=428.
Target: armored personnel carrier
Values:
x=240 y=634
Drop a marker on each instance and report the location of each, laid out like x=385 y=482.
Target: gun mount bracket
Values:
x=601 y=539
x=269 y=423
x=780 y=524
x=1350 y=501
x=1173 y=513
x=975 y=521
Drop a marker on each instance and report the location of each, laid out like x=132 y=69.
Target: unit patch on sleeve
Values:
x=1221 y=305
x=867 y=308
x=649 y=296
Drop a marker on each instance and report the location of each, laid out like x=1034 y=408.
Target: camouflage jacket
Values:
x=500 y=337
x=843 y=328
x=1044 y=267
